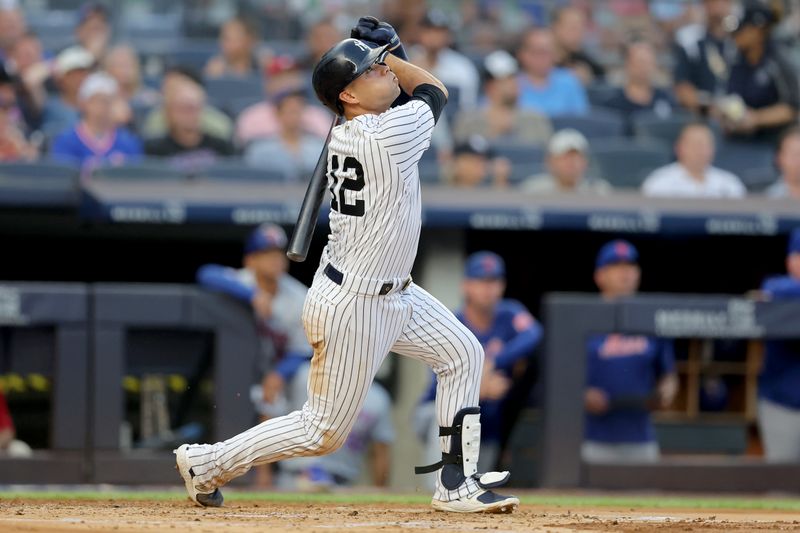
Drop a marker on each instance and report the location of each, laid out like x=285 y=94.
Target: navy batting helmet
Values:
x=339 y=66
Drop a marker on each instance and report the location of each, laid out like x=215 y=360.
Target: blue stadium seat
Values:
x=649 y=126
x=38 y=170
x=429 y=171
x=600 y=93
x=237 y=170
x=526 y=160
x=193 y=53
x=598 y=124
x=225 y=90
x=146 y=169
x=758 y=179
x=742 y=157
x=626 y=164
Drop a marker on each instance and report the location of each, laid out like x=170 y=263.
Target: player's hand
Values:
x=374 y=32
x=596 y=401
x=271 y=386
x=262 y=305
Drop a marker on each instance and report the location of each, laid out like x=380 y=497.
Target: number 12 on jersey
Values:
x=342 y=183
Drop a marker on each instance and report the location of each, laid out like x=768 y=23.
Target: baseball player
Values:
x=362 y=302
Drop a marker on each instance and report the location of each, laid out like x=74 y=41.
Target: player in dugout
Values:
x=627 y=375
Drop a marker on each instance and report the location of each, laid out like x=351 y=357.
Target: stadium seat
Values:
x=758 y=179
x=649 y=126
x=39 y=169
x=193 y=53
x=222 y=90
x=236 y=170
x=741 y=157
x=146 y=169
x=600 y=93
x=625 y=164
x=429 y=171
x=598 y=124
x=526 y=160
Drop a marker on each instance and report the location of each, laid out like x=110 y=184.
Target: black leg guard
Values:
x=462 y=460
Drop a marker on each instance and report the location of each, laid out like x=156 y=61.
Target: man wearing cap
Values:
x=436 y=55
x=779 y=383
x=71 y=68
x=499 y=117
x=474 y=165
x=96 y=139
x=567 y=162
x=763 y=81
x=509 y=335
x=626 y=375
x=693 y=175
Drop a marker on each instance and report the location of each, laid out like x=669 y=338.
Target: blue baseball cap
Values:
x=485 y=265
x=794 y=242
x=264 y=238
x=616 y=251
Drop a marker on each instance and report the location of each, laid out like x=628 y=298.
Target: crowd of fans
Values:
x=562 y=78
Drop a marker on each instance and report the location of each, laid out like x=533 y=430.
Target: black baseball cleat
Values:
x=213 y=499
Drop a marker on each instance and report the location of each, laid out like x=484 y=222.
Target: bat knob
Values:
x=296 y=257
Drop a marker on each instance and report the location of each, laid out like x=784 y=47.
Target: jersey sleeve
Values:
x=666 y=357
x=225 y=279
x=404 y=132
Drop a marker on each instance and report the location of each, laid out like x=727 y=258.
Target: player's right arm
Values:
x=411 y=76
x=225 y=279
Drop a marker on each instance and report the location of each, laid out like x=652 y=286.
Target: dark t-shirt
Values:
x=575 y=59
x=702 y=61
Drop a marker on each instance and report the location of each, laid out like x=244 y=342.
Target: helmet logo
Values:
x=361 y=45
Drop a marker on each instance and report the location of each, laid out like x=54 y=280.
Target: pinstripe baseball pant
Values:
x=352 y=330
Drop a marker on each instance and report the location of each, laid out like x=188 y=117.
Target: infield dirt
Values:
x=21 y=515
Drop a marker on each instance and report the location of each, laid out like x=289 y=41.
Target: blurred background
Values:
x=153 y=156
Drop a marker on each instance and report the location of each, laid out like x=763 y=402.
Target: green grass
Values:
x=550 y=500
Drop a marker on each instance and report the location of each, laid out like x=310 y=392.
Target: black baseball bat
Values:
x=309 y=211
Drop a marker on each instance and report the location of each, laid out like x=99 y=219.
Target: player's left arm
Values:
x=522 y=345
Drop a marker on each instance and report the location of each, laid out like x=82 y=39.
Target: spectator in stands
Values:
x=692 y=174
x=567 y=163
x=436 y=55
x=639 y=93
x=96 y=139
x=372 y=436
x=277 y=302
x=500 y=119
x=762 y=81
x=703 y=56
x=291 y=151
x=290 y=139
x=569 y=33
x=238 y=42
x=13 y=145
x=185 y=141
x=33 y=73
x=260 y=120
x=212 y=121
x=788 y=162
x=72 y=66
x=321 y=37
x=509 y=335
x=9 y=445
x=778 y=391
x=545 y=88
x=122 y=62
x=93 y=31
x=12 y=27
x=626 y=375
x=474 y=165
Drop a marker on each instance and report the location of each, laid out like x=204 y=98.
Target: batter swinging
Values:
x=362 y=303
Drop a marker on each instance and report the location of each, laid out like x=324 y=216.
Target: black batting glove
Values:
x=371 y=30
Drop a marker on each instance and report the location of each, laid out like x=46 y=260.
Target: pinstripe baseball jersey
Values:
x=376 y=209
